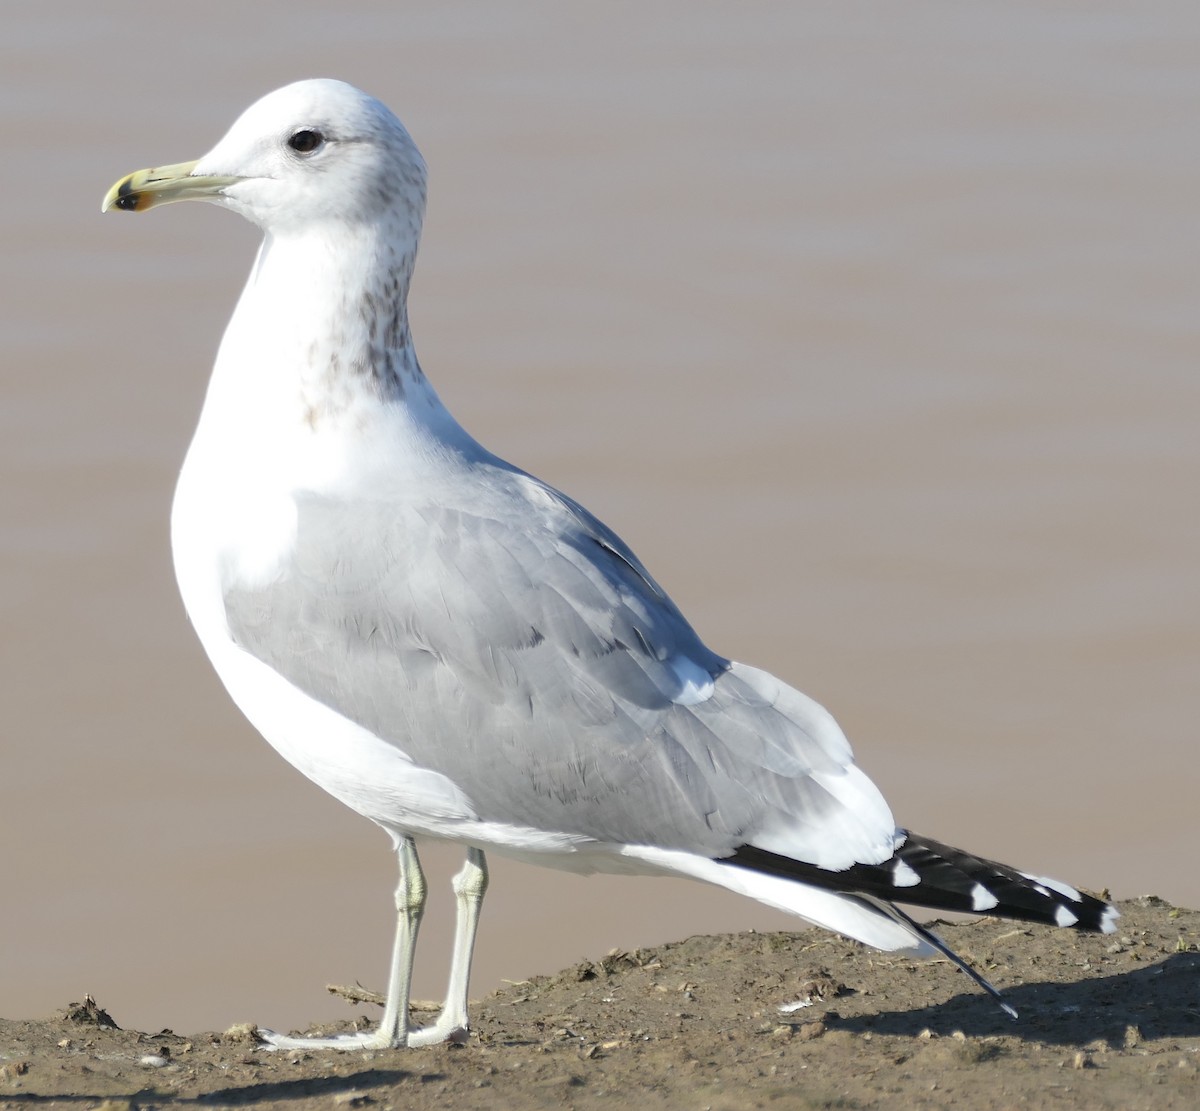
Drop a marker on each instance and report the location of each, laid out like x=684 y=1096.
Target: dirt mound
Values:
x=798 y=1020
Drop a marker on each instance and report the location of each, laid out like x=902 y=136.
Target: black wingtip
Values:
x=927 y=873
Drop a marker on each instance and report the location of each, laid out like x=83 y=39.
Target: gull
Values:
x=457 y=650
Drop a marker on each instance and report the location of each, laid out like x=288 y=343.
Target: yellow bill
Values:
x=146 y=189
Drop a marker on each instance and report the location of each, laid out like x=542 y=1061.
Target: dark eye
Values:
x=305 y=141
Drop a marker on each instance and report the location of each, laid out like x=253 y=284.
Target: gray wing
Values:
x=514 y=644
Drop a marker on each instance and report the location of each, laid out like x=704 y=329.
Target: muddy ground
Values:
x=1106 y=1022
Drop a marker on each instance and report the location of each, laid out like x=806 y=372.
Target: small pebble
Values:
x=242 y=1032
x=351 y=1099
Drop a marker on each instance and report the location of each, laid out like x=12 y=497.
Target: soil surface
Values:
x=1106 y=1022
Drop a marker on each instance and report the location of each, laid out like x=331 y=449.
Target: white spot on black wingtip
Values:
x=903 y=875
x=982 y=898
x=1008 y=1009
x=1064 y=917
x=1041 y=883
x=1108 y=920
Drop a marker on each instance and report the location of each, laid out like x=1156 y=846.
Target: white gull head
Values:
x=317 y=151
x=312 y=152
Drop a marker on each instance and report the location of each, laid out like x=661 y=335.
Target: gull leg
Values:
x=410 y=907
x=393 y=1029
x=470 y=886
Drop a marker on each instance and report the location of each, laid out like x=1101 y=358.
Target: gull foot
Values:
x=368 y=1039
x=453 y=1032
x=436 y=1034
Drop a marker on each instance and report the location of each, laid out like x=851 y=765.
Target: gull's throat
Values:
x=317 y=378
x=322 y=328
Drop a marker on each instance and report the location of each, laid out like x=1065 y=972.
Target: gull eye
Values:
x=305 y=141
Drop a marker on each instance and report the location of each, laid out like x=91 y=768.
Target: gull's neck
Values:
x=319 y=351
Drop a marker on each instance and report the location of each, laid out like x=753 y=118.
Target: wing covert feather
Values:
x=535 y=665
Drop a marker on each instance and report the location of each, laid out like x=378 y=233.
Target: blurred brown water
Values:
x=872 y=330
